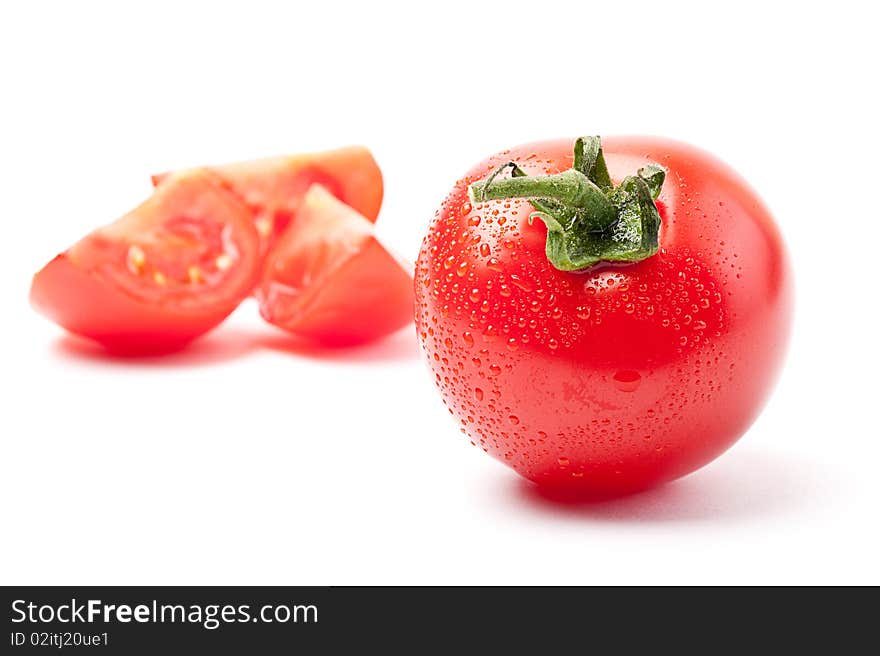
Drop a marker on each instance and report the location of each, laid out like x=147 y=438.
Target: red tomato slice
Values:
x=273 y=188
x=161 y=275
x=328 y=279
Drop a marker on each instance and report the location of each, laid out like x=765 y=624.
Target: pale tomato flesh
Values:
x=329 y=280
x=273 y=187
x=161 y=275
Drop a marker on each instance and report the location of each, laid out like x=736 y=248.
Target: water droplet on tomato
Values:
x=627 y=380
x=519 y=282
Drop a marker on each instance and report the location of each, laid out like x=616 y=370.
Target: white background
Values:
x=243 y=461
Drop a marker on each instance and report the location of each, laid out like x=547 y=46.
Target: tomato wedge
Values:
x=163 y=274
x=273 y=188
x=329 y=280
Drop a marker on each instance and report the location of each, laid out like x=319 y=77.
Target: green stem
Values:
x=570 y=189
x=589 y=220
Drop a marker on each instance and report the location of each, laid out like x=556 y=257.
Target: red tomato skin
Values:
x=619 y=378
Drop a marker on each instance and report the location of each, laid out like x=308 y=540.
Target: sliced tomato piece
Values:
x=329 y=280
x=163 y=274
x=273 y=188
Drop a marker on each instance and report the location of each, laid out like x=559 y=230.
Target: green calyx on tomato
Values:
x=588 y=219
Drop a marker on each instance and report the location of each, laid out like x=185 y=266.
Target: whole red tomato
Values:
x=617 y=342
